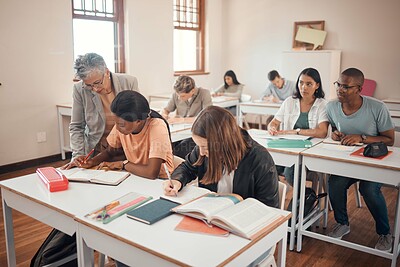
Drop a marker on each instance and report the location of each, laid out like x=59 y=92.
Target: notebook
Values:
x=95 y=176
x=287 y=143
x=152 y=212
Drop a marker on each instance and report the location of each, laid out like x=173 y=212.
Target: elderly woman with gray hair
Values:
x=92 y=119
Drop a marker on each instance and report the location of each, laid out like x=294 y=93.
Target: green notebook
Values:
x=153 y=211
x=288 y=143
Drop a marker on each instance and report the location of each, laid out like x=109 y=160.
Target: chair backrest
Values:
x=282 y=195
x=177 y=161
x=368 y=88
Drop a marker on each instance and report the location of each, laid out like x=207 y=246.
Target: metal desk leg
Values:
x=85 y=254
x=296 y=184
x=301 y=208
x=61 y=134
x=396 y=232
x=282 y=251
x=9 y=232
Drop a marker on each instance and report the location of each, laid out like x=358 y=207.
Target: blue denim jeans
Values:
x=372 y=195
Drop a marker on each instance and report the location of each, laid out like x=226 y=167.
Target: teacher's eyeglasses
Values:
x=344 y=87
x=96 y=84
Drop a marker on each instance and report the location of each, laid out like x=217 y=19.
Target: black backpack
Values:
x=57 y=246
x=310 y=202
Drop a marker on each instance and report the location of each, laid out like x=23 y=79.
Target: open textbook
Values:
x=246 y=218
x=95 y=176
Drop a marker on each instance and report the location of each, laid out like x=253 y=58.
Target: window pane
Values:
x=95 y=36
x=185 y=50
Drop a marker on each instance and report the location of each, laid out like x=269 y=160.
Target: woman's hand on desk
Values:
x=76 y=162
x=115 y=165
x=171 y=187
x=272 y=130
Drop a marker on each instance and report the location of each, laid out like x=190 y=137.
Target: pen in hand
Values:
x=169 y=177
x=88 y=155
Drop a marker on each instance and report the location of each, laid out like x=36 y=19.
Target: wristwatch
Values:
x=363 y=137
x=298 y=131
x=124 y=163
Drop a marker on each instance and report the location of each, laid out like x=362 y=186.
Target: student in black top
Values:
x=227 y=160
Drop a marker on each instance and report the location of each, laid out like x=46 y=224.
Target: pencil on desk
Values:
x=169 y=177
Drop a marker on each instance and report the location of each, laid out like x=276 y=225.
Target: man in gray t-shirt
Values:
x=278 y=89
x=354 y=119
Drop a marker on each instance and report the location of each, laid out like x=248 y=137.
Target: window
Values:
x=98 y=27
x=189 y=36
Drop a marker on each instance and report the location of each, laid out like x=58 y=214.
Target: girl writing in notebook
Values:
x=226 y=160
x=138 y=132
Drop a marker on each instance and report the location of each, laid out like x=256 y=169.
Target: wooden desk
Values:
x=63 y=110
x=259 y=108
x=285 y=157
x=139 y=244
x=387 y=171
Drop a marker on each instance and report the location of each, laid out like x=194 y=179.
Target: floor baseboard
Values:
x=31 y=163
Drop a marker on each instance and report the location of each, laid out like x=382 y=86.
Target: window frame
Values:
x=119 y=37
x=201 y=43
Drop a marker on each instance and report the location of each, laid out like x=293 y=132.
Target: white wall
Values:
x=149 y=36
x=36 y=65
x=257 y=31
x=36 y=73
x=36 y=53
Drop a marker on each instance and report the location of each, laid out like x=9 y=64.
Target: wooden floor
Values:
x=29 y=234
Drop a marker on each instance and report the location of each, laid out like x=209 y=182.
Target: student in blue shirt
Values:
x=356 y=118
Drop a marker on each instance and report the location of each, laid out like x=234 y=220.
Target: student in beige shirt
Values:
x=187 y=100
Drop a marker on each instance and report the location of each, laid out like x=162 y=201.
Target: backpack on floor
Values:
x=311 y=201
x=57 y=246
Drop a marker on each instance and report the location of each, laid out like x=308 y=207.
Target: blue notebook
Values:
x=153 y=211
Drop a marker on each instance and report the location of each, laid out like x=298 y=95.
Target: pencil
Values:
x=88 y=155
x=169 y=177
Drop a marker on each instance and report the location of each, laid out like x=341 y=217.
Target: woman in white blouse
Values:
x=304 y=113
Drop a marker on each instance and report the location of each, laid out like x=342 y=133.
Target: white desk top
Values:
x=394 y=113
x=327 y=151
x=392 y=100
x=261 y=104
x=162 y=240
x=262 y=140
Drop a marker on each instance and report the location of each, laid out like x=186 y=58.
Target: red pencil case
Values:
x=53 y=179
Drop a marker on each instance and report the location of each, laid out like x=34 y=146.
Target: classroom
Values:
x=250 y=37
